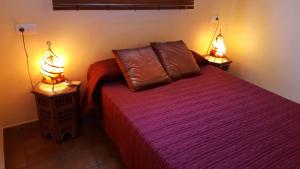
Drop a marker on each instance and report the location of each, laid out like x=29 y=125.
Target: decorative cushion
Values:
x=141 y=68
x=177 y=59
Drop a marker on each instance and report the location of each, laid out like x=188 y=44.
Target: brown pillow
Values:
x=141 y=68
x=177 y=59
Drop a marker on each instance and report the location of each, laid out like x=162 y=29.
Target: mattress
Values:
x=214 y=120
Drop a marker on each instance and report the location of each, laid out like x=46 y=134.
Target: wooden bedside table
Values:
x=58 y=110
x=221 y=63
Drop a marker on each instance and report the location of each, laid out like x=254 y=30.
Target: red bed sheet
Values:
x=213 y=120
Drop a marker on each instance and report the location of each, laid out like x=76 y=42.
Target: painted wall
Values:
x=84 y=37
x=261 y=35
x=264 y=43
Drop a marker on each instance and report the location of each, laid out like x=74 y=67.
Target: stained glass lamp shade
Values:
x=52 y=67
x=218 y=47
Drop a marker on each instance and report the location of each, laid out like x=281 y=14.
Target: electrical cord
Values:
x=27 y=57
x=207 y=52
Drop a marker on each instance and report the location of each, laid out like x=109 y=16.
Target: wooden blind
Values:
x=121 y=4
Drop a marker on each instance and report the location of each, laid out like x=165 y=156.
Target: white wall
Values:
x=262 y=38
x=84 y=37
x=264 y=42
x=261 y=35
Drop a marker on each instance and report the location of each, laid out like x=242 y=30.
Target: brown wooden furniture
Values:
x=58 y=110
x=121 y=4
x=221 y=63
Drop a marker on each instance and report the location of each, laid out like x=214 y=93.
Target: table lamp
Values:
x=52 y=67
x=218 y=47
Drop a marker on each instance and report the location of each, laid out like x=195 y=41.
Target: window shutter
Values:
x=121 y=4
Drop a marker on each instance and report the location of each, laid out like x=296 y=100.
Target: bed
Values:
x=214 y=120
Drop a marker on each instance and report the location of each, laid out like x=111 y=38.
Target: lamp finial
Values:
x=49 y=44
x=52 y=67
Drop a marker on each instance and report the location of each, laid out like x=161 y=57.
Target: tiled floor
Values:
x=25 y=149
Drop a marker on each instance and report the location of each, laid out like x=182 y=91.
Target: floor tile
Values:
x=54 y=163
x=75 y=144
x=104 y=152
x=112 y=164
x=13 y=137
x=14 y=150
x=92 y=149
x=95 y=167
x=38 y=150
x=78 y=160
x=15 y=160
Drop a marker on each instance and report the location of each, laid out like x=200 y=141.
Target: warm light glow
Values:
x=58 y=88
x=203 y=38
x=218 y=47
x=218 y=60
x=52 y=68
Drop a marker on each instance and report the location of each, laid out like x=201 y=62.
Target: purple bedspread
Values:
x=214 y=120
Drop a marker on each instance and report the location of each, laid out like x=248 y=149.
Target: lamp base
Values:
x=53 y=81
x=216 y=54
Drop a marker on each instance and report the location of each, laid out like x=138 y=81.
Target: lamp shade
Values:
x=52 y=67
x=218 y=47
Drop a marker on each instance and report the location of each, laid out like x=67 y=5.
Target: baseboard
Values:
x=2 y=162
x=2 y=159
x=18 y=124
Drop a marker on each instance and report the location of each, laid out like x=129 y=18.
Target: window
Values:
x=121 y=4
